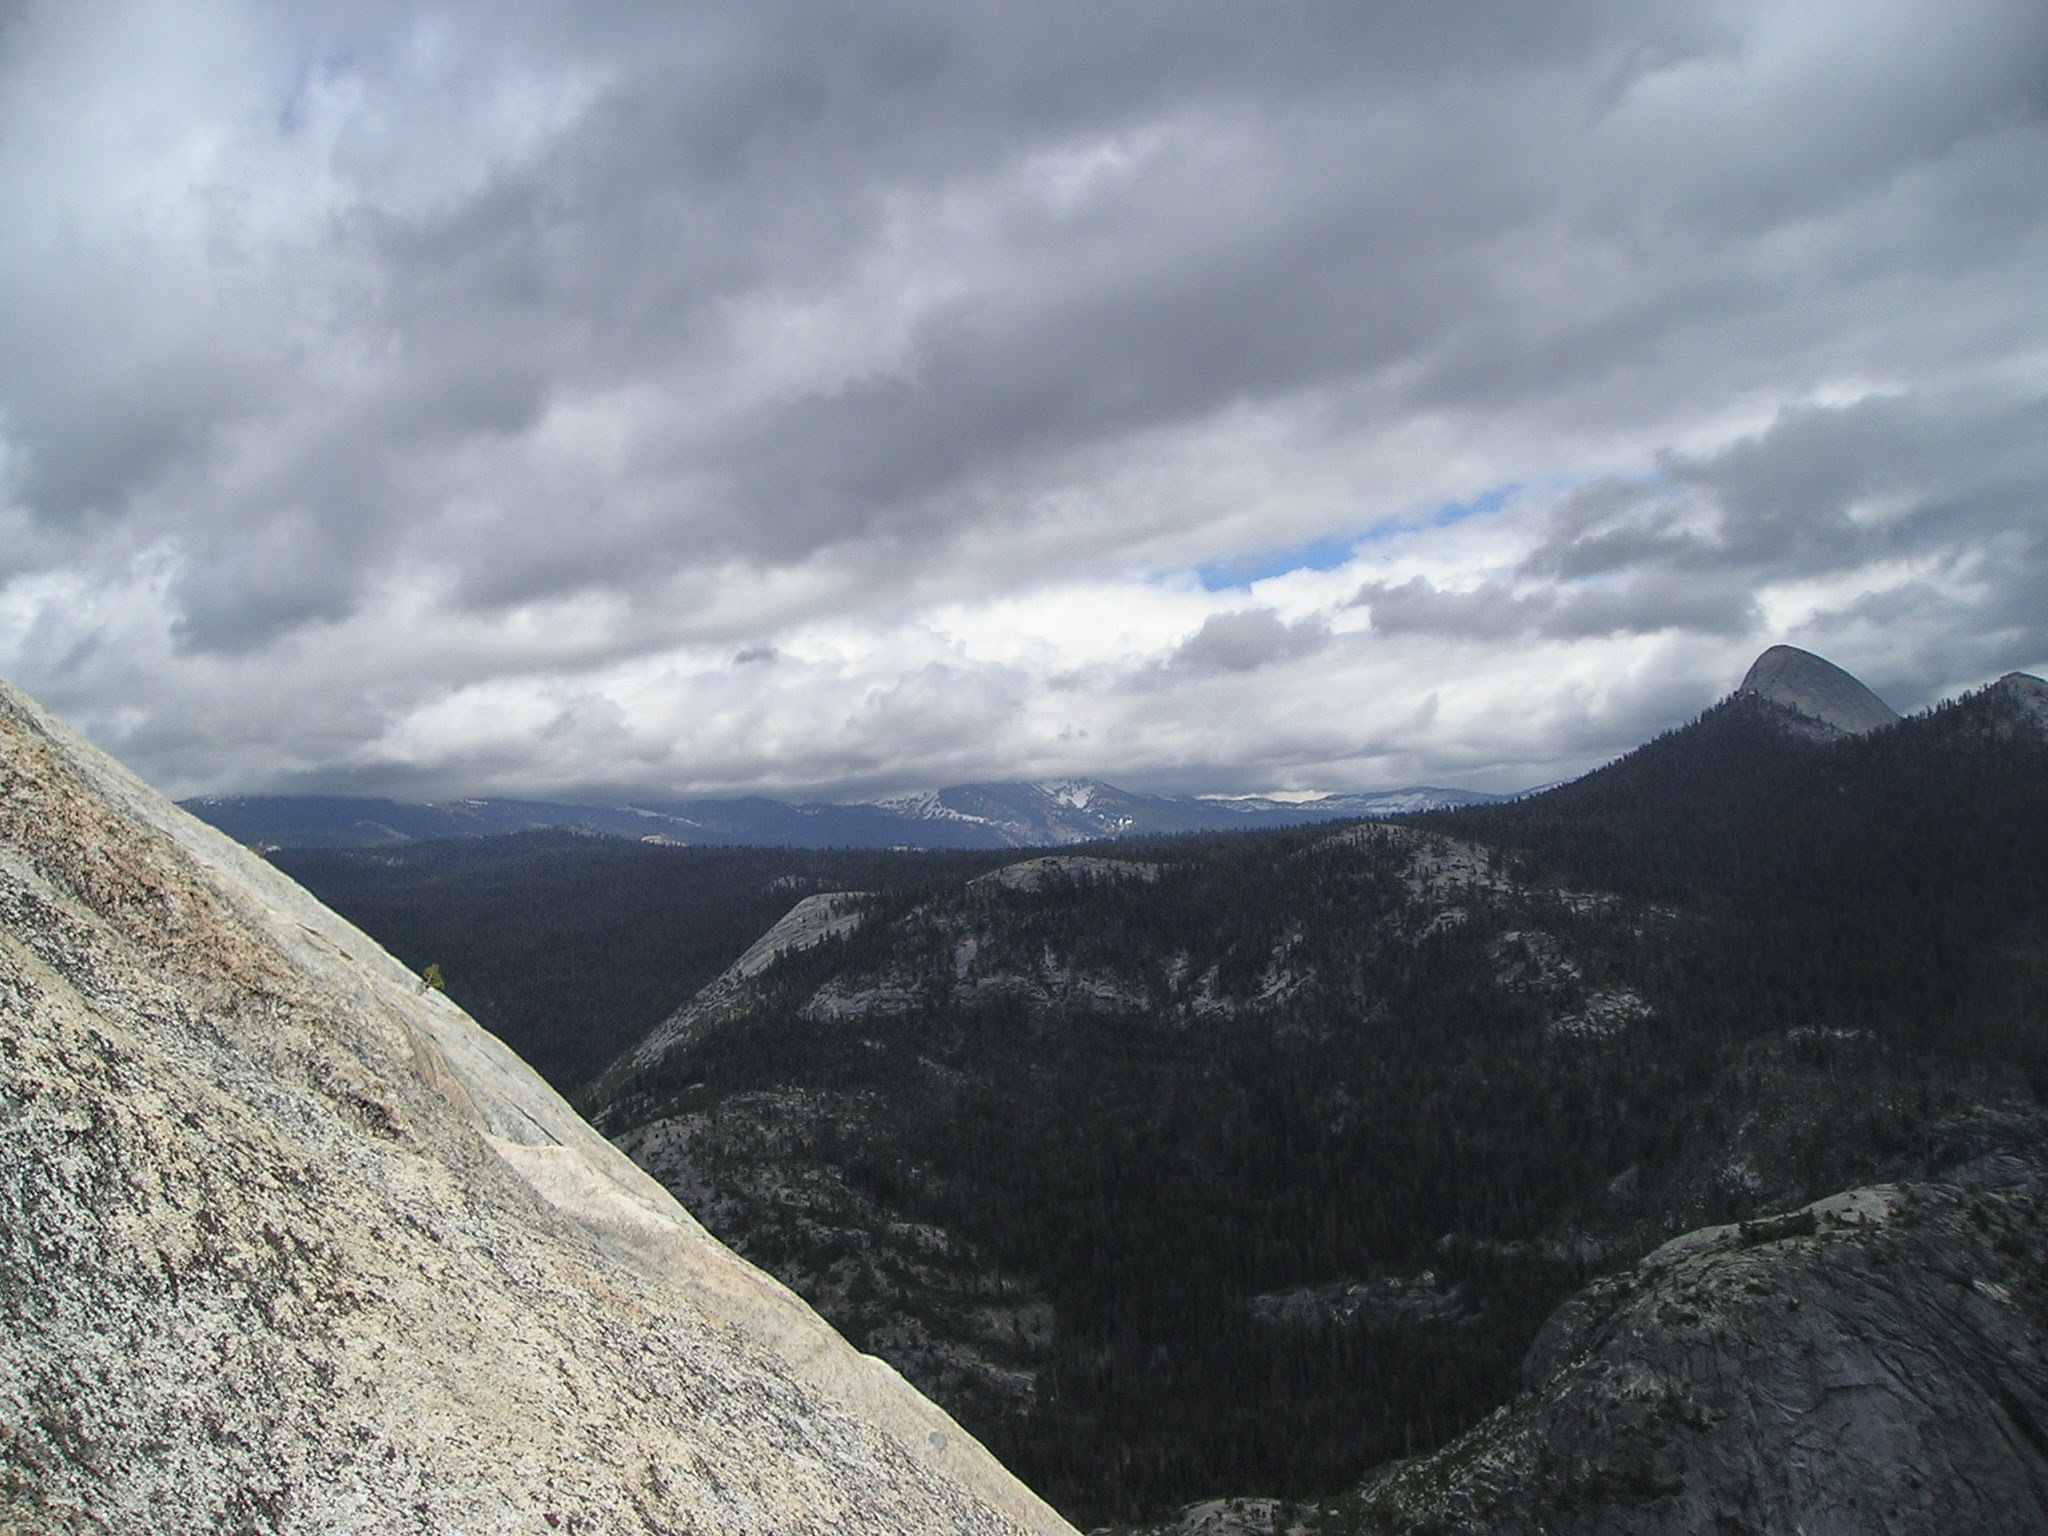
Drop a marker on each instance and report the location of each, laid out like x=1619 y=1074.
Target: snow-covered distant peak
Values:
x=1273 y=797
x=1077 y=794
x=924 y=802
x=1405 y=802
x=926 y=805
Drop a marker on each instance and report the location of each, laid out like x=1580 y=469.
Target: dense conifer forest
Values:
x=1895 y=883
x=1283 y=1062
x=571 y=946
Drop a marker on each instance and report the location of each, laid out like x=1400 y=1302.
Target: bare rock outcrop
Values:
x=1874 y=1363
x=2024 y=697
x=1818 y=691
x=289 y=1244
x=813 y=921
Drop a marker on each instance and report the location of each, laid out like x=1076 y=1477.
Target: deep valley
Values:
x=1246 y=1164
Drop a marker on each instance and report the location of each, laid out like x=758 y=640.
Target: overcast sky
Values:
x=846 y=398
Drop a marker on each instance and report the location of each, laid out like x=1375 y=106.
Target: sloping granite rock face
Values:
x=1874 y=1363
x=1817 y=690
x=289 y=1244
x=2024 y=698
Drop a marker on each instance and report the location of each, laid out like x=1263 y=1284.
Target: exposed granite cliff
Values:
x=2022 y=699
x=1873 y=1364
x=1820 y=693
x=1876 y=1362
x=289 y=1244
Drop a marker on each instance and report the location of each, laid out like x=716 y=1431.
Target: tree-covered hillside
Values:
x=1239 y=1164
x=570 y=946
x=1894 y=882
x=1296 y=1139
x=1147 y=1103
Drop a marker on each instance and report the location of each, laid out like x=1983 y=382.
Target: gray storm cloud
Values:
x=393 y=398
x=1247 y=640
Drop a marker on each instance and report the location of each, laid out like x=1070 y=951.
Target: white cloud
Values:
x=395 y=400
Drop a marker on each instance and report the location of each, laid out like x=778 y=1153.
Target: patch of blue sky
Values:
x=1324 y=554
x=1332 y=550
x=1485 y=503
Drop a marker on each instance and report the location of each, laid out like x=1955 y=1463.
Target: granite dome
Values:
x=1816 y=688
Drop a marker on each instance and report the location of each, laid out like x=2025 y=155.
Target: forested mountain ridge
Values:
x=1046 y=1138
x=1140 y=1219
x=1239 y=1164
x=1010 y=815
x=1894 y=882
x=571 y=948
x=1875 y=1362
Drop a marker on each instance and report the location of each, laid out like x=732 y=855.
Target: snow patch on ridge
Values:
x=1077 y=794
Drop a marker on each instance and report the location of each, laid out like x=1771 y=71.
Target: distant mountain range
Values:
x=1276 y=1151
x=1262 y=1164
x=1018 y=815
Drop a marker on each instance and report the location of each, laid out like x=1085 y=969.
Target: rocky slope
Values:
x=1875 y=1362
x=1219 y=1056
x=288 y=1244
x=811 y=922
x=1222 y=1166
x=2021 y=700
x=1827 y=700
